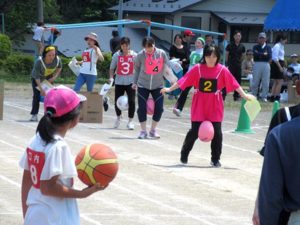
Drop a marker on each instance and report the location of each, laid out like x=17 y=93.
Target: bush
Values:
x=5 y=44
x=103 y=67
x=19 y=64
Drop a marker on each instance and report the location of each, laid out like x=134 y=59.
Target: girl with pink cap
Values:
x=48 y=196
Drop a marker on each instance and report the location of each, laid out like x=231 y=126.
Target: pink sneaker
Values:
x=153 y=134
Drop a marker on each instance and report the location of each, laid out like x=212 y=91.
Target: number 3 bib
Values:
x=36 y=161
x=125 y=65
x=209 y=85
x=153 y=66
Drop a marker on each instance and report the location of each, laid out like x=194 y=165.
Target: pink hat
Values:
x=62 y=99
x=188 y=33
x=92 y=36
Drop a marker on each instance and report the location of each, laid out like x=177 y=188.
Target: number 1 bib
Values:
x=153 y=66
x=36 y=161
x=125 y=65
x=86 y=56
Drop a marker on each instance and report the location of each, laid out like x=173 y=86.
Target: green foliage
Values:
x=5 y=44
x=18 y=64
x=85 y=11
x=103 y=67
x=18 y=67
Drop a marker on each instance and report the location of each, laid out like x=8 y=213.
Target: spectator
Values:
x=53 y=36
x=262 y=53
x=187 y=39
x=179 y=51
x=38 y=37
x=209 y=40
x=46 y=67
x=277 y=67
x=235 y=53
x=293 y=70
x=115 y=42
x=278 y=189
x=247 y=67
x=195 y=58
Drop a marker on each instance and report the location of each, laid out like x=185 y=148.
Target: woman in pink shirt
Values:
x=208 y=79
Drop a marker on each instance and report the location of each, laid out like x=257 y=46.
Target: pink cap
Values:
x=62 y=99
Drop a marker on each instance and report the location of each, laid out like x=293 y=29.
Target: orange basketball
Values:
x=96 y=163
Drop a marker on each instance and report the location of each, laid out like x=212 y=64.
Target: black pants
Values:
x=192 y=136
x=236 y=71
x=35 y=99
x=119 y=91
x=143 y=95
x=182 y=98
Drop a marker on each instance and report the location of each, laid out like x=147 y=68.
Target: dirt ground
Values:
x=152 y=187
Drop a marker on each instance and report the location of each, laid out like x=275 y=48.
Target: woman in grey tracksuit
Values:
x=148 y=79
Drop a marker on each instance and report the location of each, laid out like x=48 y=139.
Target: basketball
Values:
x=122 y=103
x=150 y=106
x=206 y=131
x=96 y=163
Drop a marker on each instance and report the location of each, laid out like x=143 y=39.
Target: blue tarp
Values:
x=285 y=15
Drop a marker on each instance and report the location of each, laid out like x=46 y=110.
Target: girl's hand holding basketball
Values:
x=92 y=189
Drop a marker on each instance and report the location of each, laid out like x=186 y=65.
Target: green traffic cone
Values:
x=276 y=107
x=244 y=123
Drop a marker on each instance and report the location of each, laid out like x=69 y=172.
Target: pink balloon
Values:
x=150 y=106
x=206 y=131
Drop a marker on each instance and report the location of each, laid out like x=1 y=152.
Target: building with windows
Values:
x=214 y=15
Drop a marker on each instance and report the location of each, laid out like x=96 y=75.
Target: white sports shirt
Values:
x=48 y=161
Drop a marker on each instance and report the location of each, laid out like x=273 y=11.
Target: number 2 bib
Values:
x=36 y=161
x=125 y=65
x=208 y=85
x=153 y=66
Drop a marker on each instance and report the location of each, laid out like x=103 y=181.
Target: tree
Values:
x=86 y=11
x=22 y=15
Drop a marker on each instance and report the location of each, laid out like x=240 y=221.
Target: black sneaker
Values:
x=183 y=160
x=216 y=164
x=105 y=104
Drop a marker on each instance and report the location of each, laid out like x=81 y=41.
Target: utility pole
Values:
x=40 y=8
x=120 y=17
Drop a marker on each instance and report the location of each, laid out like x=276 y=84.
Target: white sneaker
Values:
x=34 y=118
x=117 y=123
x=130 y=125
x=177 y=112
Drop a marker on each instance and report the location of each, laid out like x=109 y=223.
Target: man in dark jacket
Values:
x=115 y=42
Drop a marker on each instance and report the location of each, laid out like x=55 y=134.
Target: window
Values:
x=294 y=37
x=157 y=19
x=192 y=22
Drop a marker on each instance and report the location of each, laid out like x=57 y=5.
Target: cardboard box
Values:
x=92 y=108
x=1 y=99
x=293 y=97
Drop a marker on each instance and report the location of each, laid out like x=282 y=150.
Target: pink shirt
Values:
x=208 y=104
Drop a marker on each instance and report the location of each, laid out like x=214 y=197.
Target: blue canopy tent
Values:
x=284 y=16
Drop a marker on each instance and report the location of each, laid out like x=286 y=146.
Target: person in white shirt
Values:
x=38 y=37
x=48 y=196
x=277 y=67
x=88 y=69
